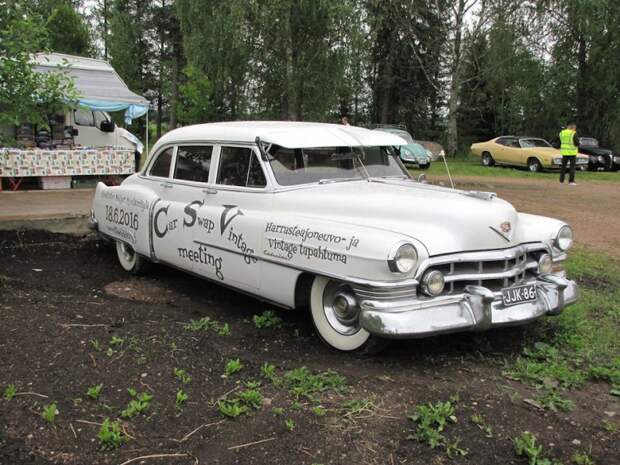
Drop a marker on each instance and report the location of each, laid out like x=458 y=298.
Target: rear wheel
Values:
x=129 y=259
x=487 y=159
x=425 y=167
x=335 y=314
x=534 y=165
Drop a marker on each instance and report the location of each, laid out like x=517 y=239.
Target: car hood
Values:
x=594 y=151
x=444 y=220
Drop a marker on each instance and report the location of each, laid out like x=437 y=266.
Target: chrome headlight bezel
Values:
x=403 y=258
x=564 y=238
x=426 y=283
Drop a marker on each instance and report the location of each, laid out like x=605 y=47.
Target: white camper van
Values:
x=100 y=89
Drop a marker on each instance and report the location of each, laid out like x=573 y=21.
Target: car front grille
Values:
x=493 y=269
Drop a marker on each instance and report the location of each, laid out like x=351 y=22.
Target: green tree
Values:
x=196 y=95
x=67 y=30
x=25 y=95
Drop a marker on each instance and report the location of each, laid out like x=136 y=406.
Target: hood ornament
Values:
x=480 y=195
x=504 y=230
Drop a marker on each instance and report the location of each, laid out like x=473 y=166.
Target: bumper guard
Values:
x=477 y=309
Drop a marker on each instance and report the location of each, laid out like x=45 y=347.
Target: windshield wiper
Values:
x=328 y=180
x=392 y=176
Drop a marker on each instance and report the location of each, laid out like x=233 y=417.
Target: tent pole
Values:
x=147 y=132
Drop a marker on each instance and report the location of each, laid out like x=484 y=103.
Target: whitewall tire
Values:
x=336 y=325
x=129 y=259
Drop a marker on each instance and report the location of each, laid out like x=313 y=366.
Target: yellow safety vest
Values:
x=567 y=147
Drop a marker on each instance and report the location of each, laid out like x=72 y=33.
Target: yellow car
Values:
x=531 y=152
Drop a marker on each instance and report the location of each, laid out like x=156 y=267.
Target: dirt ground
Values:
x=63 y=300
x=592 y=208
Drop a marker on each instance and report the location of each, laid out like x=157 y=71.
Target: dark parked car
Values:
x=600 y=158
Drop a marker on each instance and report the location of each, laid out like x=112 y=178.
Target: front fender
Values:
x=333 y=249
x=536 y=228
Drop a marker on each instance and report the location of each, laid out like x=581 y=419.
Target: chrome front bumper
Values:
x=477 y=309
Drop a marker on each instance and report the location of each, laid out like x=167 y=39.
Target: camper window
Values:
x=84 y=117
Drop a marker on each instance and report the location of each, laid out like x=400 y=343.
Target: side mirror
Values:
x=422 y=178
x=107 y=126
x=69 y=132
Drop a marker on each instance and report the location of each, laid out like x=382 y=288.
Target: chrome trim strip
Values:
x=511 y=273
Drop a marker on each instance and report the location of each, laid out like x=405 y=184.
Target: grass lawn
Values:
x=470 y=166
x=581 y=344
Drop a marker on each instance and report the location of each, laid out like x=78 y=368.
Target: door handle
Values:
x=210 y=191
x=166 y=185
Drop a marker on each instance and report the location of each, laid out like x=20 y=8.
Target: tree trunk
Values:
x=177 y=57
x=581 y=91
x=289 y=84
x=105 y=30
x=455 y=84
x=174 y=88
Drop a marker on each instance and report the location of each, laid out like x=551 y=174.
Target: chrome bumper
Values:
x=477 y=309
x=93 y=224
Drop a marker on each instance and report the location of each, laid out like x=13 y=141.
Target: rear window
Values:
x=193 y=163
x=161 y=166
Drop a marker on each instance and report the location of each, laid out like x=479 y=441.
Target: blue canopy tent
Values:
x=99 y=87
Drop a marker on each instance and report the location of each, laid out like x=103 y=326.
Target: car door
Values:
x=510 y=150
x=516 y=155
x=497 y=151
x=167 y=235
x=190 y=186
x=230 y=222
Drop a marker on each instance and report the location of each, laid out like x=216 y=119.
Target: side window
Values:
x=193 y=163
x=501 y=141
x=240 y=167
x=99 y=118
x=161 y=167
x=84 y=117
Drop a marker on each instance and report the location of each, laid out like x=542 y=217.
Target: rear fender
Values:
x=124 y=213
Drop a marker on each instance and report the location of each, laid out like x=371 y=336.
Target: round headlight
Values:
x=405 y=259
x=433 y=283
x=545 y=264
x=564 y=239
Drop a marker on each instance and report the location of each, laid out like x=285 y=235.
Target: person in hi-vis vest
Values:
x=569 y=144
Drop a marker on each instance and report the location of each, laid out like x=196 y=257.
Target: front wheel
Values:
x=335 y=315
x=425 y=167
x=534 y=165
x=129 y=259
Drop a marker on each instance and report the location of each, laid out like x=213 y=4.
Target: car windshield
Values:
x=415 y=149
x=527 y=143
x=400 y=133
x=327 y=164
x=588 y=141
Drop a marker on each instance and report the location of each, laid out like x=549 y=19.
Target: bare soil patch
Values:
x=51 y=318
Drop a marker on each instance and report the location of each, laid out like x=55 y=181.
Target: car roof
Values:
x=289 y=134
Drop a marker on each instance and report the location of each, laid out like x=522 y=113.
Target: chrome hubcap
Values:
x=341 y=308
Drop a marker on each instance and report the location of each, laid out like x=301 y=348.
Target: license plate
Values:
x=519 y=294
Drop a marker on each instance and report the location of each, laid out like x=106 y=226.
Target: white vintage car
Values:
x=325 y=217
